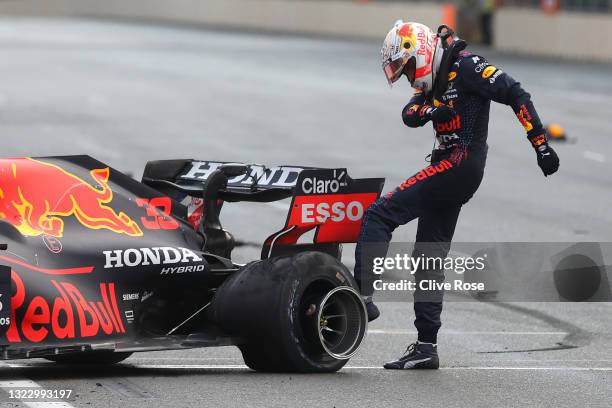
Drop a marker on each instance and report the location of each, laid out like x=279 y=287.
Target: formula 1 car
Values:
x=98 y=265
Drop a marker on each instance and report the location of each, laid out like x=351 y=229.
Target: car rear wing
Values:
x=325 y=200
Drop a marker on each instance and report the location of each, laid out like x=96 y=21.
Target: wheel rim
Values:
x=341 y=322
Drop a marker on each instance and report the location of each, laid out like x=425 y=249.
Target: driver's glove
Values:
x=547 y=157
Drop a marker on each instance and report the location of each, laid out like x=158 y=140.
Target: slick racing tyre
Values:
x=89 y=358
x=297 y=313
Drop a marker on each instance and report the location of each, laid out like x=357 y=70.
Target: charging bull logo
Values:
x=34 y=196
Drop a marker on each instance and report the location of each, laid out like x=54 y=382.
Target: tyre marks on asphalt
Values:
x=575 y=336
x=125 y=388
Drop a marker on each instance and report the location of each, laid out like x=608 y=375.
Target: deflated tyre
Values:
x=294 y=313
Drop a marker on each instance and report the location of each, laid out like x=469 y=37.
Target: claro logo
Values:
x=131 y=257
x=313 y=185
x=68 y=315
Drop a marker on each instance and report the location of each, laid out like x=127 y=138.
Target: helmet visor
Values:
x=394 y=69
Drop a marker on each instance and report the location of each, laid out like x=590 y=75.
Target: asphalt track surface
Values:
x=127 y=93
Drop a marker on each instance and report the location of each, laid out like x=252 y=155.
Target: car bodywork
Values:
x=97 y=260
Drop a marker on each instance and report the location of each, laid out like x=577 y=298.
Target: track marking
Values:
x=598 y=157
x=451 y=332
x=476 y=368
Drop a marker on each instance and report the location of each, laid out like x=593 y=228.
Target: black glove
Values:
x=547 y=157
x=442 y=114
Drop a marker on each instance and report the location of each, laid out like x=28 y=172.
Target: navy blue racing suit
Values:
x=435 y=194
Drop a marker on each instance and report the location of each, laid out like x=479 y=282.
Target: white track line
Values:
x=26 y=383
x=452 y=332
x=598 y=157
x=481 y=368
x=244 y=367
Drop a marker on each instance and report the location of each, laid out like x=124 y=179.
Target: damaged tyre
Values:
x=294 y=313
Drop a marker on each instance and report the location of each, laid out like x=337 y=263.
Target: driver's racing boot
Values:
x=371 y=308
x=417 y=356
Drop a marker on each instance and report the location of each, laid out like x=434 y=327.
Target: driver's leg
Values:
x=434 y=234
x=380 y=220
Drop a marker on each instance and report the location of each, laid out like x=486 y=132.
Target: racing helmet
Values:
x=411 y=49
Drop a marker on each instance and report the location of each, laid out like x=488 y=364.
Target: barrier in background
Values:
x=369 y=20
x=570 y=35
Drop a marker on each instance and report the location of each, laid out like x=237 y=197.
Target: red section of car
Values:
x=337 y=217
x=37 y=196
x=62 y=271
x=68 y=315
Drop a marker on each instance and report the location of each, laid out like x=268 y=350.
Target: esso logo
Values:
x=337 y=212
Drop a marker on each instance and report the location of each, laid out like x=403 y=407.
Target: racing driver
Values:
x=453 y=90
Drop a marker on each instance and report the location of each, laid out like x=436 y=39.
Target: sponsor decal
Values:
x=182 y=269
x=146 y=295
x=129 y=316
x=130 y=296
x=442 y=139
x=136 y=257
x=427 y=172
x=338 y=216
x=495 y=76
x=53 y=244
x=406 y=33
x=37 y=196
x=406 y=30
x=488 y=71
x=452 y=75
x=450 y=94
x=280 y=176
x=525 y=118
x=329 y=202
x=481 y=66
x=475 y=59
x=336 y=212
x=450 y=126
x=69 y=315
x=314 y=185
x=425 y=49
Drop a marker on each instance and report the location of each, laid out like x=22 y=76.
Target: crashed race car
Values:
x=98 y=265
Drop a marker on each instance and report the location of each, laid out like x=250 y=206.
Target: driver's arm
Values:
x=492 y=83
x=417 y=112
